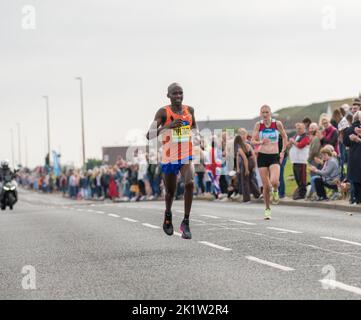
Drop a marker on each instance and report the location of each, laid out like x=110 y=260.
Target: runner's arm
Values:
x=158 y=123
x=255 y=135
x=283 y=133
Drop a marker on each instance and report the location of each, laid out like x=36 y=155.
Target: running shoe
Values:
x=167 y=225
x=267 y=214
x=184 y=228
x=275 y=197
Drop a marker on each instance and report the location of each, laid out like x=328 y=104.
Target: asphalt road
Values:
x=79 y=250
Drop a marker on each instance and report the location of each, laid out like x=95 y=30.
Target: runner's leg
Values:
x=170 y=183
x=274 y=172
x=187 y=172
x=264 y=173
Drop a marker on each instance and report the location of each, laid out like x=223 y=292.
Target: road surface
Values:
x=55 y=248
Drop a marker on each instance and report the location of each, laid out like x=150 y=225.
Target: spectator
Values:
x=336 y=118
x=356 y=105
x=113 y=192
x=298 y=155
x=154 y=176
x=314 y=156
x=73 y=183
x=329 y=134
x=246 y=168
x=307 y=122
x=105 y=180
x=213 y=164
x=328 y=176
x=352 y=139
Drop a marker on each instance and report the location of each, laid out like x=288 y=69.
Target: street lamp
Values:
x=82 y=117
x=12 y=147
x=19 y=144
x=48 y=123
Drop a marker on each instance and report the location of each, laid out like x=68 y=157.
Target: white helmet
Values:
x=5 y=163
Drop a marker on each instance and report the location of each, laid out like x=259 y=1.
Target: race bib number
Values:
x=270 y=134
x=181 y=134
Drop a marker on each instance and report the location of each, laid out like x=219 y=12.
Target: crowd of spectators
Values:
x=325 y=155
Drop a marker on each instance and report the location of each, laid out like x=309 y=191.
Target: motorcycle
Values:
x=8 y=193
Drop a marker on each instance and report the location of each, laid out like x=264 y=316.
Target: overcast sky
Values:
x=231 y=56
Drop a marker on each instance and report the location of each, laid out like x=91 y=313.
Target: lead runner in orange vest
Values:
x=175 y=123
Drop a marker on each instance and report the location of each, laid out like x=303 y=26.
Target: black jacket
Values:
x=354 y=163
x=4 y=173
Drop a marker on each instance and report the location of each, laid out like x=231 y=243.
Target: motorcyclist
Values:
x=6 y=171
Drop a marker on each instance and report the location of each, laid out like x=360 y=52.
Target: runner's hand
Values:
x=176 y=123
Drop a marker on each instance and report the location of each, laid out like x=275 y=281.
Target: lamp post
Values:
x=19 y=144
x=82 y=117
x=47 y=122
x=12 y=148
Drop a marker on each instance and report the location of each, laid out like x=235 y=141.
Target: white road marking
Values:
x=270 y=264
x=243 y=222
x=150 y=226
x=210 y=244
x=90 y=210
x=284 y=230
x=341 y=240
x=195 y=220
x=130 y=220
x=80 y=210
x=209 y=216
x=340 y=285
x=113 y=215
x=100 y=212
x=177 y=234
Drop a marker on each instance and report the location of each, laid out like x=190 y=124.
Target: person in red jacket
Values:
x=329 y=134
x=113 y=192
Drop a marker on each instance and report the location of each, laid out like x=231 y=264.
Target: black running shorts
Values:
x=265 y=160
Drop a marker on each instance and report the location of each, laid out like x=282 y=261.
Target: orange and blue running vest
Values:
x=177 y=142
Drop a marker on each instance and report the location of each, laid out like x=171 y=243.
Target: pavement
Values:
x=342 y=205
x=56 y=248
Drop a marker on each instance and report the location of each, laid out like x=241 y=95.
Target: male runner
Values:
x=266 y=134
x=174 y=123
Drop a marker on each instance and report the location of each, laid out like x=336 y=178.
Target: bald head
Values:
x=174 y=86
x=175 y=94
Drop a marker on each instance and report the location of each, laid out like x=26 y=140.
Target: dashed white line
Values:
x=210 y=244
x=177 y=234
x=243 y=222
x=340 y=285
x=130 y=220
x=100 y=212
x=196 y=220
x=209 y=216
x=284 y=230
x=113 y=215
x=341 y=240
x=270 y=264
x=150 y=226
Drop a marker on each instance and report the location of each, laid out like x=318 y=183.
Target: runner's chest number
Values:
x=181 y=134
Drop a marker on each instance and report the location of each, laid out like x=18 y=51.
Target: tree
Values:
x=92 y=163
